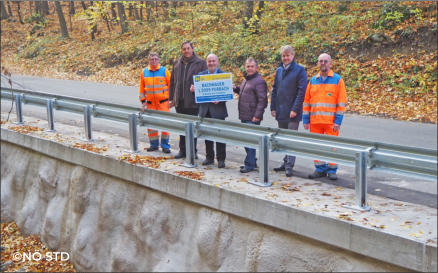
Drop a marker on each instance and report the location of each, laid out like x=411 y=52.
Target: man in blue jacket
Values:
x=287 y=98
x=218 y=110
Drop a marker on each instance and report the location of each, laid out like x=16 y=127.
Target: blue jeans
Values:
x=250 y=159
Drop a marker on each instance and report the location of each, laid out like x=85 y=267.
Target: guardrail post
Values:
x=360 y=185
x=50 y=119
x=190 y=146
x=133 y=132
x=87 y=123
x=18 y=109
x=263 y=162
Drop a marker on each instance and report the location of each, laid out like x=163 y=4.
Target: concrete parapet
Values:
x=115 y=216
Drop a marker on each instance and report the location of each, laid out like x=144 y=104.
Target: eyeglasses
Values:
x=323 y=61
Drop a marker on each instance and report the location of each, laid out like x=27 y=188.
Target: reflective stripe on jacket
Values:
x=325 y=100
x=154 y=85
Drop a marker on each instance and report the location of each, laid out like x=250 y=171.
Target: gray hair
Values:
x=287 y=48
x=251 y=60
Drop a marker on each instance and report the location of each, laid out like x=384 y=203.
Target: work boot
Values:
x=166 y=150
x=282 y=168
x=245 y=170
x=151 y=149
x=316 y=174
x=332 y=176
x=221 y=164
x=289 y=172
x=180 y=155
x=207 y=162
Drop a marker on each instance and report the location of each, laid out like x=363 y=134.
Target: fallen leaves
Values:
x=25 y=129
x=90 y=147
x=149 y=161
x=13 y=242
x=192 y=175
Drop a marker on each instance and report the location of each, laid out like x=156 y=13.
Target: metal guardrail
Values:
x=359 y=153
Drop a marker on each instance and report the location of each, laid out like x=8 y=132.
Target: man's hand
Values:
x=274 y=113
x=143 y=106
x=306 y=126
x=336 y=127
x=254 y=119
x=215 y=102
x=192 y=88
x=171 y=104
x=292 y=114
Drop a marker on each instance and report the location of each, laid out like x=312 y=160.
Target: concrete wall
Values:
x=79 y=203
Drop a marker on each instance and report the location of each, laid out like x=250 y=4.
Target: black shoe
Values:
x=151 y=149
x=243 y=167
x=280 y=169
x=180 y=155
x=208 y=162
x=221 y=164
x=316 y=174
x=245 y=170
x=166 y=150
x=288 y=172
x=332 y=176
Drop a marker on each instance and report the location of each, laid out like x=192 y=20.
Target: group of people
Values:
x=319 y=103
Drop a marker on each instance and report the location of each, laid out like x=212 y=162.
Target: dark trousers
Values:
x=209 y=148
x=289 y=160
x=182 y=138
x=250 y=159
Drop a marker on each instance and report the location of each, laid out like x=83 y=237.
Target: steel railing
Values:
x=358 y=153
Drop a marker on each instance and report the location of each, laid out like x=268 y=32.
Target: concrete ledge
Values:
x=380 y=245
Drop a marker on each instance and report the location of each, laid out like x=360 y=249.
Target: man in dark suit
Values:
x=216 y=110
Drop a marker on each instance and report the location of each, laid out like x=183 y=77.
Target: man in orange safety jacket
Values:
x=154 y=95
x=323 y=109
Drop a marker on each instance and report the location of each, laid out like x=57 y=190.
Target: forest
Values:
x=385 y=51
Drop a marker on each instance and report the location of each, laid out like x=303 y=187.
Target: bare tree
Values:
x=148 y=10
x=61 y=19
x=38 y=7
x=4 y=13
x=122 y=16
x=18 y=12
x=45 y=7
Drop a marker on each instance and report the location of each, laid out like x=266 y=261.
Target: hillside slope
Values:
x=385 y=51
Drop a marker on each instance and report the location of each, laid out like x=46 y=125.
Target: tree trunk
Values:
x=84 y=6
x=93 y=31
x=18 y=12
x=247 y=13
x=30 y=8
x=148 y=11
x=4 y=13
x=45 y=7
x=136 y=16
x=141 y=10
x=130 y=13
x=61 y=19
x=9 y=8
x=122 y=16
x=113 y=12
x=38 y=7
x=72 y=8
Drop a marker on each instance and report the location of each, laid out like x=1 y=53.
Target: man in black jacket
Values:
x=216 y=110
x=287 y=98
x=181 y=79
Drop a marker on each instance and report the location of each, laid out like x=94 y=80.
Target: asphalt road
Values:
x=403 y=188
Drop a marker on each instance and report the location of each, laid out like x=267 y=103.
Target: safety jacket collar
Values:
x=156 y=68
x=330 y=74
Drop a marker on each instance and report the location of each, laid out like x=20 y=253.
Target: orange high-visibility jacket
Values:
x=154 y=86
x=325 y=101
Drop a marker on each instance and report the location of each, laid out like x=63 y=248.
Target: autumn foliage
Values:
x=385 y=51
